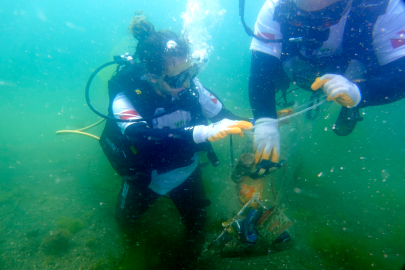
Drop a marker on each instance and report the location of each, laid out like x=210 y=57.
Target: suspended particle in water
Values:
x=297 y=190
x=331 y=170
x=385 y=174
x=320 y=174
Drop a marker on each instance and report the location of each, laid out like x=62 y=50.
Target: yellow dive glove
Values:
x=266 y=140
x=220 y=130
x=339 y=89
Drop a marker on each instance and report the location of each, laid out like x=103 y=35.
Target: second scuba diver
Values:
x=355 y=47
x=353 y=50
x=158 y=155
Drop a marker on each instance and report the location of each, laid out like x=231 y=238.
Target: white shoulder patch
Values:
x=210 y=105
x=389 y=33
x=266 y=27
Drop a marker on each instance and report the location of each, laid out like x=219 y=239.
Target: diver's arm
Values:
x=190 y=136
x=123 y=109
x=180 y=136
x=385 y=85
x=264 y=71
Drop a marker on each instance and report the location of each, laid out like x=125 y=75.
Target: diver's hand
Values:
x=339 y=89
x=266 y=140
x=220 y=130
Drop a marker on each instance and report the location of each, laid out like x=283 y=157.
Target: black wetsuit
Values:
x=139 y=150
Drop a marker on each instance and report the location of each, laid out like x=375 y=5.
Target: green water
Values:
x=58 y=192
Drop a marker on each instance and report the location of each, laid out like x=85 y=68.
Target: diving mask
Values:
x=178 y=80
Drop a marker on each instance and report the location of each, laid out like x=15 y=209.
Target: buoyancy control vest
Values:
x=358 y=34
x=129 y=156
x=357 y=40
x=119 y=150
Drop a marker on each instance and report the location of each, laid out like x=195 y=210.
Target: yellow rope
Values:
x=95 y=124
x=78 y=131
x=61 y=132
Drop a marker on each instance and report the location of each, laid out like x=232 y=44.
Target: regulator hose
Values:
x=250 y=31
x=119 y=61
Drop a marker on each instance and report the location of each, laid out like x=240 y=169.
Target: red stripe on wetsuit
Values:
x=129 y=114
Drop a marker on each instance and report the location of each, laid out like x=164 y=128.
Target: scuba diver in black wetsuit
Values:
x=156 y=153
x=356 y=47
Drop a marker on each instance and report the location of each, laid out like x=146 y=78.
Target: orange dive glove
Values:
x=220 y=130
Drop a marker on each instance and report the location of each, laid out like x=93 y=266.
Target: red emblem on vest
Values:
x=213 y=99
x=399 y=40
x=129 y=114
